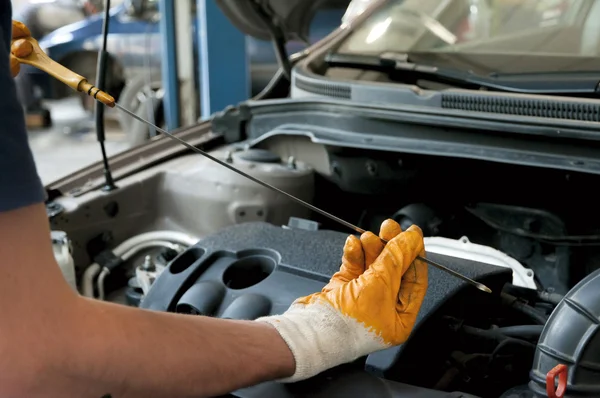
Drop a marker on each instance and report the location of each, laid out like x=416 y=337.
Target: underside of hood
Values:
x=291 y=17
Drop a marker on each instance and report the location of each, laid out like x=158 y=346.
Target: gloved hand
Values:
x=369 y=305
x=25 y=46
x=19 y=48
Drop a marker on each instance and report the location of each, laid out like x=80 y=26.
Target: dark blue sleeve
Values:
x=20 y=184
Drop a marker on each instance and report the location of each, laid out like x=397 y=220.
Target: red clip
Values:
x=561 y=372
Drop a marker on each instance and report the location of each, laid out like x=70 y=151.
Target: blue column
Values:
x=169 y=64
x=224 y=68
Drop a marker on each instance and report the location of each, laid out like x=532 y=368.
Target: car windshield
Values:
x=485 y=36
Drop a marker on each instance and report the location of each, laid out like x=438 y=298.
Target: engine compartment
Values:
x=257 y=269
x=189 y=236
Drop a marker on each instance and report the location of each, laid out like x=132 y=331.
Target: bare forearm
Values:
x=134 y=353
x=55 y=343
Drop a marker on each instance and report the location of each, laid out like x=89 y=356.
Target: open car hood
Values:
x=292 y=17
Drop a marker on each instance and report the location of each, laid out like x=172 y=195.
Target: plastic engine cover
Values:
x=572 y=337
x=257 y=269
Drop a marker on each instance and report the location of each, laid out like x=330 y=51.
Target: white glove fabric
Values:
x=320 y=338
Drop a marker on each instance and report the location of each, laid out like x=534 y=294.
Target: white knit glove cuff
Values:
x=320 y=337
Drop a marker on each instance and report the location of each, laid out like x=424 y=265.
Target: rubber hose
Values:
x=146 y=245
x=525 y=309
x=87 y=285
x=522 y=331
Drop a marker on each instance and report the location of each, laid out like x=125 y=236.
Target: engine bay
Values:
x=189 y=236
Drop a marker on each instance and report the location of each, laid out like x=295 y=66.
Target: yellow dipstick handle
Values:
x=27 y=51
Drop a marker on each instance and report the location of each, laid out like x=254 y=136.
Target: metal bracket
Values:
x=302 y=223
x=231 y=122
x=53 y=209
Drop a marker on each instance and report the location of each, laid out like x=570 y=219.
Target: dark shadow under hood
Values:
x=291 y=17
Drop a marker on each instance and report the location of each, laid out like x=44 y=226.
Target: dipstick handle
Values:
x=28 y=51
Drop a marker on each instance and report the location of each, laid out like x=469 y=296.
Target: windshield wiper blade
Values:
x=400 y=67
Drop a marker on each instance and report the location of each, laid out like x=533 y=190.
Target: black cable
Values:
x=556 y=240
x=527 y=332
x=148 y=79
x=522 y=331
x=530 y=312
x=523 y=308
x=532 y=295
x=510 y=341
x=552 y=298
x=277 y=77
x=275 y=80
x=282 y=56
x=278 y=39
x=101 y=84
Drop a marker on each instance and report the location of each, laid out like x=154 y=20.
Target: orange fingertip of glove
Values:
x=21 y=48
x=372 y=246
x=353 y=251
x=389 y=229
x=19 y=30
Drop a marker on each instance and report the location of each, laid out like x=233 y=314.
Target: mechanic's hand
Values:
x=369 y=305
x=356 y=259
x=24 y=46
x=19 y=48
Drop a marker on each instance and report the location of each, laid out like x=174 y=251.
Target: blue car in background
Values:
x=134 y=45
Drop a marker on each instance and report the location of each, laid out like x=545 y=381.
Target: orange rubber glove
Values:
x=369 y=305
x=19 y=48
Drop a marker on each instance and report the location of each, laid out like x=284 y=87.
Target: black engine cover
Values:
x=257 y=269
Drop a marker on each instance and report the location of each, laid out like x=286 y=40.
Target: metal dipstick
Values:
x=26 y=50
x=343 y=222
